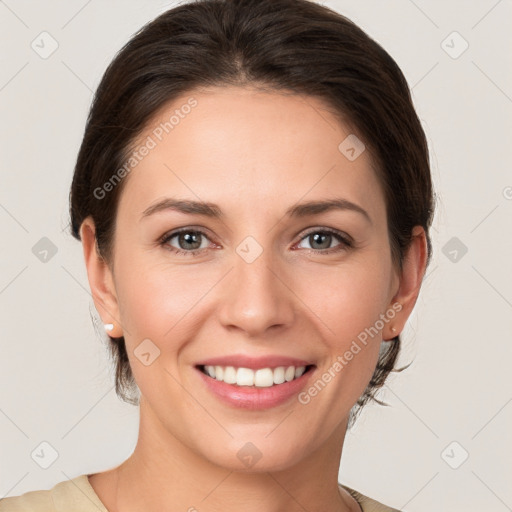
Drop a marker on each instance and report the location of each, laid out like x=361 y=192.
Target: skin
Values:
x=255 y=154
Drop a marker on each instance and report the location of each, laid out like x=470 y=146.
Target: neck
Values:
x=164 y=472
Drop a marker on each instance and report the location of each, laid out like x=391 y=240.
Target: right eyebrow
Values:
x=184 y=206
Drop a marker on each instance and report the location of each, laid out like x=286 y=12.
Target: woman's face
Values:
x=262 y=282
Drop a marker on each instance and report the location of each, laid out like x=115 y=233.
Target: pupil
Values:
x=325 y=236
x=188 y=238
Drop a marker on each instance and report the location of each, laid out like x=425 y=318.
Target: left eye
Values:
x=324 y=239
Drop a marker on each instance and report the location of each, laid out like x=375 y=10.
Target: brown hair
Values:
x=290 y=45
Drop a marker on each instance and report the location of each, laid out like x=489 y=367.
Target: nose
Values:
x=257 y=296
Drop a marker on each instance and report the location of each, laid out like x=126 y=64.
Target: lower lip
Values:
x=247 y=397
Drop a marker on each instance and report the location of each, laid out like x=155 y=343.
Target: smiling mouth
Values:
x=262 y=378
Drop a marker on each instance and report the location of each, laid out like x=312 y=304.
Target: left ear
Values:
x=411 y=277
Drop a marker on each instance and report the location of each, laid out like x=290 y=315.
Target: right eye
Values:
x=187 y=238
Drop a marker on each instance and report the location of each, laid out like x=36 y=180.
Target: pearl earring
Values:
x=108 y=327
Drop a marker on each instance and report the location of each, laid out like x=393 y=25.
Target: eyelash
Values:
x=345 y=242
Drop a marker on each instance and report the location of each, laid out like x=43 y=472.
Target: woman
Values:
x=253 y=196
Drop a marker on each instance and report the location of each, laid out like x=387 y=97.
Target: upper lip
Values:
x=245 y=361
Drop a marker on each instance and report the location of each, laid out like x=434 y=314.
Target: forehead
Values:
x=240 y=146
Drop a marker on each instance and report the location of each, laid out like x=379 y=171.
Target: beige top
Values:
x=77 y=495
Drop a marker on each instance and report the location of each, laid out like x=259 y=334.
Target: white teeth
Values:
x=262 y=378
x=289 y=374
x=229 y=375
x=278 y=376
x=244 y=377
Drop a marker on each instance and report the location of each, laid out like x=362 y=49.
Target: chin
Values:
x=259 y=455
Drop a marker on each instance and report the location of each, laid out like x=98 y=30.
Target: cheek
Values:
x=347 y=298
x=159 y=301
x=155 y=305
x=347 y=302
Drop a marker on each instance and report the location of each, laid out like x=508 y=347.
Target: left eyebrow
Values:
x=318 y=207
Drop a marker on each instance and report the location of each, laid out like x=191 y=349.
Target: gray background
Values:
x=454 y=401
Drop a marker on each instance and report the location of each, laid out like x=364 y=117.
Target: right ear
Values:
x=101 y=280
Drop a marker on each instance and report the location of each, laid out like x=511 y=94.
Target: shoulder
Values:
x=368 y=504
x=30 y=501
x=75 y=494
